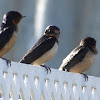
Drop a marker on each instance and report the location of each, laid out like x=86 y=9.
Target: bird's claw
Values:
x=47 y=68
x=7 y=61
x=85 y=76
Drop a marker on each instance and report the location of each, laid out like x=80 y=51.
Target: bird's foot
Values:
x=8 y=62
x=85 y=76
x=47 y=68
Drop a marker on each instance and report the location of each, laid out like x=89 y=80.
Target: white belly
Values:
x=47 y=56
x=9 y=45
x=85 y=64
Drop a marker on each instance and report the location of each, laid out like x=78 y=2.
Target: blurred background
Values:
x=75 y=18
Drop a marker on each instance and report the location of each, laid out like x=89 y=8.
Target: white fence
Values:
x=27 y=82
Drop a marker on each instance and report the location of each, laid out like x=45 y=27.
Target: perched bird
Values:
x=9 y=31
x=81 y=58
x=45 y=49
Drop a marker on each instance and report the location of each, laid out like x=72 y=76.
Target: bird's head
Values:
x=52 y=31
x=13 y=17
x=88 y=42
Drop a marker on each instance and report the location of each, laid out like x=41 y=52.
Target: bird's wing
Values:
x=41 y=47
x=75 y=57
x=5 y=35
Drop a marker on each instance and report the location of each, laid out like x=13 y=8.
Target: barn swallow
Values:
x=45 y=49
x=81 y=58
x=9 y=31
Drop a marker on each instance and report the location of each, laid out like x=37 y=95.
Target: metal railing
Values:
x=27 y=82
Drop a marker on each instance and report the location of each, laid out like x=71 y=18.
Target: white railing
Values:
x=27 y=82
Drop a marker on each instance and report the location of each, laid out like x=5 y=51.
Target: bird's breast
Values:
x=47 y=56
x=9 y=45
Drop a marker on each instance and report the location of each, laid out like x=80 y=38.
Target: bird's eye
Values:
x=46 y=31
x=49 y=30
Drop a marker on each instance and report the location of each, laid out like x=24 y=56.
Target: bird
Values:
x=9 y=31
x=81 y=58
x=45 y=48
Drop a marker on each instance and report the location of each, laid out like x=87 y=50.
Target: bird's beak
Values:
x=23 y=16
